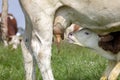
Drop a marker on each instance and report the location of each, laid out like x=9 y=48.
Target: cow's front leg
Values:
x=29 y=64
x=115 y=72
x=109 y=68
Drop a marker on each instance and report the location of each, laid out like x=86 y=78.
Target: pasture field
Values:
x=72 y=63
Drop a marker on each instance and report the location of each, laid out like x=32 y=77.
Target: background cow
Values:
x=16 y=39
x=12 y=28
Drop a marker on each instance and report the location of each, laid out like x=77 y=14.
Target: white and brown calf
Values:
x=107 y=46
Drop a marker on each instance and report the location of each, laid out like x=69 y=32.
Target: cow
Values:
x=12 y=28
x=100 y=16
x=16 y=39
x=107 y=46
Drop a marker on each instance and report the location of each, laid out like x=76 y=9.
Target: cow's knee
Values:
x=41 y=48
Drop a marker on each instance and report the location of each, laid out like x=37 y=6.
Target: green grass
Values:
x=11 y=64
x=72 y=63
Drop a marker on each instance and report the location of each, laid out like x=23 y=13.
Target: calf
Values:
x=12 y=27
x=107 y=46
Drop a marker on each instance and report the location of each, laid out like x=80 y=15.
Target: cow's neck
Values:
x=104 y=53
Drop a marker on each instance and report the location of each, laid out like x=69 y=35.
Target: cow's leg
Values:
x=115 y=72
x=41 y=45
x=29 y=65
x=109 y=68
x=39 y=22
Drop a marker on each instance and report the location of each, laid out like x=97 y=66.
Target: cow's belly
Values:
x=94 y=14
x=104 y=19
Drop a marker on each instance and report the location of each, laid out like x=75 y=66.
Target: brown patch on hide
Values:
x=106 y=38
x=11 y=25
x=112 y=45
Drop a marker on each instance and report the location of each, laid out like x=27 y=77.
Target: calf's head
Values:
x=84 y=37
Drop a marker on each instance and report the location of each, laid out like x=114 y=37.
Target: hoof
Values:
x=103 y=78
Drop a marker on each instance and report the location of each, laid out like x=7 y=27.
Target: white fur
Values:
x=11 y=17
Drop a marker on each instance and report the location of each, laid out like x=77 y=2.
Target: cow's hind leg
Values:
x=42 y=53
x=29 y=64
x=41 y=45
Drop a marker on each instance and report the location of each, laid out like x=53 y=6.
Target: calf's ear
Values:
x=76 y=28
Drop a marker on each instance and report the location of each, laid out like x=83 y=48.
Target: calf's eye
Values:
x=87 y=33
